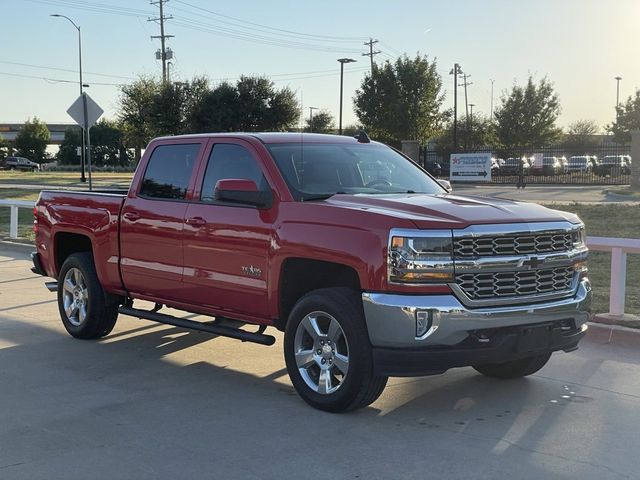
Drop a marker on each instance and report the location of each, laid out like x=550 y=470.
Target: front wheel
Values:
x=516 y=368
x=82 y=302
x=328 y=354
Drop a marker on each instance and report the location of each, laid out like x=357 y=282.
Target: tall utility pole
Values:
x=165 y=54
x=371 y=53
x=455 y=71
x=342 y=62
x=617 y=79
x=471 y=105
x=491 y=110
x=466 y=101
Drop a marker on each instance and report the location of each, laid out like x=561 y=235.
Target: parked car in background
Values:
x=434 y=168
x=19 y=163
x=564 y=164
x=580 y=163
x=612 y=164
x=550 y=166
x=512 y=166
x=496 y=164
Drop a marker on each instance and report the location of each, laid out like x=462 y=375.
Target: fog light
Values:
x=424 y=320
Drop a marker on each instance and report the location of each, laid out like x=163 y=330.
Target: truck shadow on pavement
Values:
x=201 y=392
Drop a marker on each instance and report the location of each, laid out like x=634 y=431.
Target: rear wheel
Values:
x=515 y=368
x=82 y=302
x=328 y=354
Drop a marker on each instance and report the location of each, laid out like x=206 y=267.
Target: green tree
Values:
x=3 y=147
x=401 y=100
x=107 y=145
x=137 y=109
x=527 y=116
x=580 y=137
x=477 y=133
x=32 y=140
x=253 y=104
x=216 y=112
x=68 y=153
x=321 y=122
x=627 y=119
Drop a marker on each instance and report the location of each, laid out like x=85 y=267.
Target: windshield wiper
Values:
x=321 y=196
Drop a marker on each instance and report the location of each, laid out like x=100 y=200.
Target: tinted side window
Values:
x=169 y=171
x=230 y=161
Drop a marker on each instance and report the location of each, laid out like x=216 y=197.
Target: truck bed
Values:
x=81 y=216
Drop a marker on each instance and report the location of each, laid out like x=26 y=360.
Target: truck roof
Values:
x=274 y=137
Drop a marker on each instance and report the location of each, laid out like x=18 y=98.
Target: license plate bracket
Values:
x=534 y=338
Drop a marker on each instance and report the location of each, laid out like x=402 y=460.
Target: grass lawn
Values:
x=99 y=179
x=603 y=220
x=610 y=220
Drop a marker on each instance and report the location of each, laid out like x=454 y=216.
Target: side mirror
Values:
x=446 y=184
x=242 y=191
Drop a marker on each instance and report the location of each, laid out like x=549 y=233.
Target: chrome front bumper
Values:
x=391 y=318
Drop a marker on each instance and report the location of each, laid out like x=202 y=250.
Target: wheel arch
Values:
x=299 y=276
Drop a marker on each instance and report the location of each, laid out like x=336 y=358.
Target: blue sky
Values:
x=579 y=44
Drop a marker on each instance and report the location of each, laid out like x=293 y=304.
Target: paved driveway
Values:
x=158 y=402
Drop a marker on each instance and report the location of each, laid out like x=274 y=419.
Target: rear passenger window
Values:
x=230 y=161
x=169 y=171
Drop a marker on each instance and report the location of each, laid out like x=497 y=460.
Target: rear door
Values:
x=152 y=218
x=227 y=246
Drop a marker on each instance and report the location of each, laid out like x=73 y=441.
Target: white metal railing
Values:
x=619 y=247
x=14 y=205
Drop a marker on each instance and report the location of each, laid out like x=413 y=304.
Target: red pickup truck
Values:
x=367 y=264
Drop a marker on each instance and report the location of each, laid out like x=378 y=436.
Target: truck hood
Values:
x=450 y=210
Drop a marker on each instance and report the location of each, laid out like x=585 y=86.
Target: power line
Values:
x=263 y=40
x=64 y=70
x=284 y=31
x=55 y=80
x=271 y=35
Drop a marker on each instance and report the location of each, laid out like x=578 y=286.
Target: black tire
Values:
x=515 y=368
x=101 y=315
x=360 y=386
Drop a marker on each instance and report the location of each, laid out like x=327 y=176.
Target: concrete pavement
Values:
x=152 y=401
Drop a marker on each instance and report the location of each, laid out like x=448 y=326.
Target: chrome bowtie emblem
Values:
x=533 y=262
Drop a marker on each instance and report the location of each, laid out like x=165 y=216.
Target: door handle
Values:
x=131 y=216
x=196 y=221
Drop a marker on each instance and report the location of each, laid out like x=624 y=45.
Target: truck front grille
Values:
x=482 y=286
x=512 y=244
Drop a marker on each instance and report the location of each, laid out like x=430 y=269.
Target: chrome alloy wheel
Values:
x=75 y=297
x=321 y=352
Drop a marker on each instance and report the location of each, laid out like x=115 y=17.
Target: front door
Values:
x=226 y=246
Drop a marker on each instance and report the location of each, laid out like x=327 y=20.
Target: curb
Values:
x=614 y=334
x=17 y=246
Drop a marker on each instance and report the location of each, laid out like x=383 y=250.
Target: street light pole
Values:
x=82 y=132
x=342 y=62
x=455 y=71
x=617 y=79
x=491 y=111
x=311 y=109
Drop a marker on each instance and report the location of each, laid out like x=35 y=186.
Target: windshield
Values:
x=612 y=160
x=321 y=170
x=578 y=161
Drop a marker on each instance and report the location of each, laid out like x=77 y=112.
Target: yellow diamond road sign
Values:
x=76 y=111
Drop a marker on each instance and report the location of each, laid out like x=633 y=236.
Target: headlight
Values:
x=578 y=237
x=420 y=256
